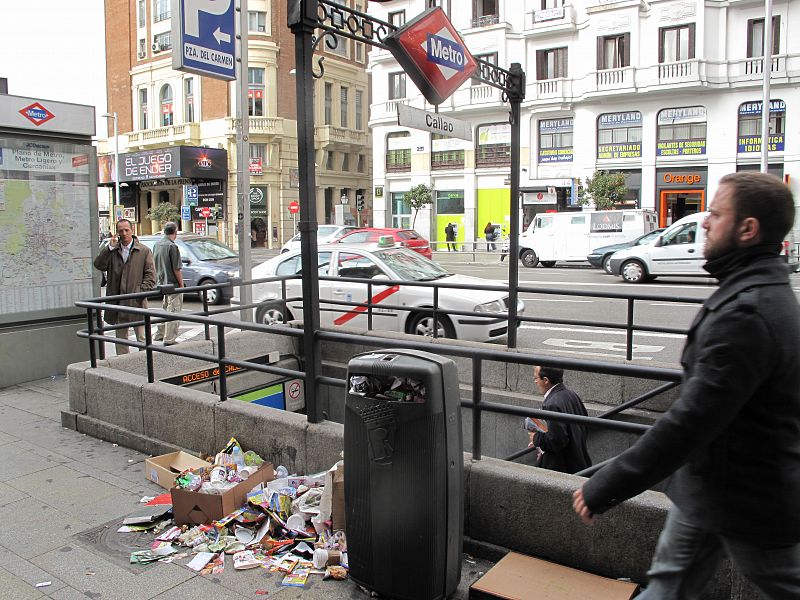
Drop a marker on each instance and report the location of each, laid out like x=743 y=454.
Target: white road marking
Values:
x=528 y=299
x=606 y=331
x=628 y=286
x=674 y=304
x=599 y=345
x=598 y=354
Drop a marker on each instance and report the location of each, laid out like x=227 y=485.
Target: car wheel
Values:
x=607 y=264
x=215 y=295
x=633 y=271
x=272 y=313
x=529 y=258
x=548 y=263
x=423 y=324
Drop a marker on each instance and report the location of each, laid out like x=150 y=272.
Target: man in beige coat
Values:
x=130 y=269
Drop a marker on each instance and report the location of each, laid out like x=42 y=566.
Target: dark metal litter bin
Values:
x=404 y=466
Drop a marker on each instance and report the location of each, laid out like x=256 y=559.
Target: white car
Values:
x=376 y=264
x=325 y=235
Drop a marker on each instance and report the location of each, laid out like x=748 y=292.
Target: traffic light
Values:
x=360 y=203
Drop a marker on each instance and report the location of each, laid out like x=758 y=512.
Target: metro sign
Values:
x=433 y=54
x=36 y=114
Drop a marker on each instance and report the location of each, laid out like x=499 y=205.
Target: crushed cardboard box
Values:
x=163 y=469
x=517 y=576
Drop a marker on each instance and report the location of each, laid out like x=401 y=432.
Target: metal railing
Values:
x=96 y=331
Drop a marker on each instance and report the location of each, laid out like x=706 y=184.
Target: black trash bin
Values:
x=404 y=466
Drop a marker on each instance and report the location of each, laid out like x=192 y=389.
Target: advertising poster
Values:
x=752 y=143
x=555 y=130
x=615 y=121
x=683 y=142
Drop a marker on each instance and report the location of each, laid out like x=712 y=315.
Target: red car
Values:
x=407 y=238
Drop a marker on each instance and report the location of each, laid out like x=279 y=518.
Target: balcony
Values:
x=682 y=71
x=552 y=89
x=270 y=126
x=485 y=20
x=327 y=134
x=187 y=134
x=752 y=69
x=481 y=94
x=549 y=20
x=615 y=79
x=386 y=110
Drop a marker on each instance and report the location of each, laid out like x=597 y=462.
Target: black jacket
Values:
x=734 y=434
x=564 y=444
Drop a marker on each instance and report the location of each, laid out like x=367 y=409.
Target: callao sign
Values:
x=433 y=54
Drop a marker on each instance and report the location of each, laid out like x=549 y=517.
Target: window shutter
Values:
x=776 y=34
x=750 y=25
x=691 y=40
x=626 y=49
x=540 y=65
x=600 y=53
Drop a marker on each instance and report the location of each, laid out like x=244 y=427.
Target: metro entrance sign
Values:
x=433 y=54
x=204 y=34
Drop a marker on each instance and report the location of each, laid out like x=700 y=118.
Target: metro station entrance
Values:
x=676 y=204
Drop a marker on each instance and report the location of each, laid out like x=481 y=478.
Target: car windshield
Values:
x=649 y=237
x=210 y=249
x=411 y=266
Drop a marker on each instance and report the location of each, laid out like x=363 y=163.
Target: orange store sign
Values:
x=683 y=178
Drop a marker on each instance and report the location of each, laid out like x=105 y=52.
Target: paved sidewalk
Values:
x=62 y=495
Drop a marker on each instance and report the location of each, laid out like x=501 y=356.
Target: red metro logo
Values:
x=36 y=113
x=433 y=54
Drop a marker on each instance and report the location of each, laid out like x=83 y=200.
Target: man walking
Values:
x=450 y=237
x=167 y=258
x=130 y=269
x=733 y=437
x=561 y=446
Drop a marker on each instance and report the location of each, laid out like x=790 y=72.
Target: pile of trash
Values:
x=285 y=525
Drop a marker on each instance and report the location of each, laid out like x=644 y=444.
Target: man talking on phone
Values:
x=130 y=269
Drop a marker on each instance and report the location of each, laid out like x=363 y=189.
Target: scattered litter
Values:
x=146 y=499
x=90 y=573
x=261 y=592
x=200 y=561
x=130 y=460
x=115 y=445
x=43 y=584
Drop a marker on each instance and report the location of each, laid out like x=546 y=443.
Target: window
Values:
x=142 y=108
x=255 y=92
x=161 y=10
x=141 y=12
x=681 y=131
x=162 y=42
x=258 y=151
x=613 y=51
x=142 y=48
x=397 y=86
x=188 y=99
x=343 y=106
x=619 y=135
x=750 y=126
x=165 y=98
x=551 y=64
x=361 y=168
x=328 y=103
x=490 y=58
x=581 y=220
x=357 y=266
x=397 y=18
x=329 y=160
x=336 y=44
x=256 y=21
x=446 y=152
x=359 y=110
x=493 y=146
x=676 y=43
x=398 y=152
x=552 y=4
x=484 y=12
x=450 y=202
x=293 y=265
x=359 y=51
x=683 y=235
x=401 y=211
x=555 y=140
x=755 y=37
x=345 y=162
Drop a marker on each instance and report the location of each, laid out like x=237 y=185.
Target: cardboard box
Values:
x=518 y=576
x=194 y=508
x=337 y=499
x=163 y=469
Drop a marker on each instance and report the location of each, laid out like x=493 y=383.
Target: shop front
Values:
x=680 y=192
x=185 y=176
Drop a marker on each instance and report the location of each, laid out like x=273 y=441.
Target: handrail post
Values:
x=223 y=377
x=629 y=331
x=369 y=305
x=476 y=408
x=206 y=327
x=435 y=311
x=101 y=344
x=92 y=350
x=148 y=341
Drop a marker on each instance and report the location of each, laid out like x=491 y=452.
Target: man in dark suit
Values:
x=561 y=445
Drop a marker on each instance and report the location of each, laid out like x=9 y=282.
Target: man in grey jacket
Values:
x=732 y=439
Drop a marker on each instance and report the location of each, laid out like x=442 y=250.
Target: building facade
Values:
x=667 y=92
x=177 y=128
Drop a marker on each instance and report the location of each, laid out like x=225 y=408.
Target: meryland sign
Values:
x=433 y=54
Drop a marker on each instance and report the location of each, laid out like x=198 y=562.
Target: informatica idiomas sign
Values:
x=750 y=121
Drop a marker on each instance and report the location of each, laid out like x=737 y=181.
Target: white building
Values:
x=667 y=92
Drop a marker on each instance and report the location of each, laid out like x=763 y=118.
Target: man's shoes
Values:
x=158 y=338
x=170 y=343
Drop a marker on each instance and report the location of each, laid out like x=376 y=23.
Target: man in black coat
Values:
x=561 y=445
x=732 y=439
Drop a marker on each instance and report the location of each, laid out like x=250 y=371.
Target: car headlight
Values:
x=231 y=273
x=496 y=306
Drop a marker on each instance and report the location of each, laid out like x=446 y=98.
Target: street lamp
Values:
x=344 y=199
x=116 y=159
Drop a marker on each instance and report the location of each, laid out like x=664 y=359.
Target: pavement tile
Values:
x=204 y=587
x=9 y=494
x=70 y=563
x=70 y=593
x=27 y=571
x=14 y=588
x=141 y=486
x=55 y=386
x=42 y=528
x=21 y=458
x=6 y=438
x=11 y=418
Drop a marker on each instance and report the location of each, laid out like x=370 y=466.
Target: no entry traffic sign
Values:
x=294 y=207
x=205 y=212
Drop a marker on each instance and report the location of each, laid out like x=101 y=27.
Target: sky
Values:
x=55 y=50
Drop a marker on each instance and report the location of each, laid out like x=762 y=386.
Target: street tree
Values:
x=606 y=190
x=418 y=197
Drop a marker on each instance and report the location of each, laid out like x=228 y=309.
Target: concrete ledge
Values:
x=77 y=386
x=115 y=397
x=324 y=445
x=164 y=365
x=184 y=417
x=118 y=435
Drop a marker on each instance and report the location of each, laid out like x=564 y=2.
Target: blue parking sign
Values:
x=186 y=213
x=204 y=34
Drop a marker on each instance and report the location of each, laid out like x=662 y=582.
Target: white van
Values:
x=570 y=236
x=677 y=251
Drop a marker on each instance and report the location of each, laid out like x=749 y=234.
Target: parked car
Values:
x=601 y=257
x=325 y=235
x=205 y=260
x=395 y=263
x=678 y=250
x=407 y=238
